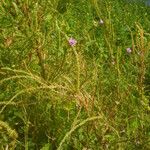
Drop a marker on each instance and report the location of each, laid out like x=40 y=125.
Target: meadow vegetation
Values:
x=74 y=75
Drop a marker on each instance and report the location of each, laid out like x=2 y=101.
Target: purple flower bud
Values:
x=129 y=50
x=72 y=42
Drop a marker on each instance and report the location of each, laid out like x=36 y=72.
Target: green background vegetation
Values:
x=92 y=96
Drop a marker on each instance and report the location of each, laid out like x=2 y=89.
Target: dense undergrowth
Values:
x=89 y=95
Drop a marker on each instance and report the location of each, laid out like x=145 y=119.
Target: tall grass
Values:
x=94 y=95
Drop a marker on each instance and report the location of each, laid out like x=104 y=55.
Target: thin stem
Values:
x=78 y=69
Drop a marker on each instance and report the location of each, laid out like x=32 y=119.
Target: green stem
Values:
x=41 y=63
x=78 y=69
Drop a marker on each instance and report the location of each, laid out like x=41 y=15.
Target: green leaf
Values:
x=46 y=147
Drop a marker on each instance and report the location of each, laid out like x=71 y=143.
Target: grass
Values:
x=90 y=96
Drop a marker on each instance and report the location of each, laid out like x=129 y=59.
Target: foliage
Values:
x=86 y=95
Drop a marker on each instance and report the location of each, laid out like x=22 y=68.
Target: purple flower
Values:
x=101 y=22
x=72 y=42
x=129 y=50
